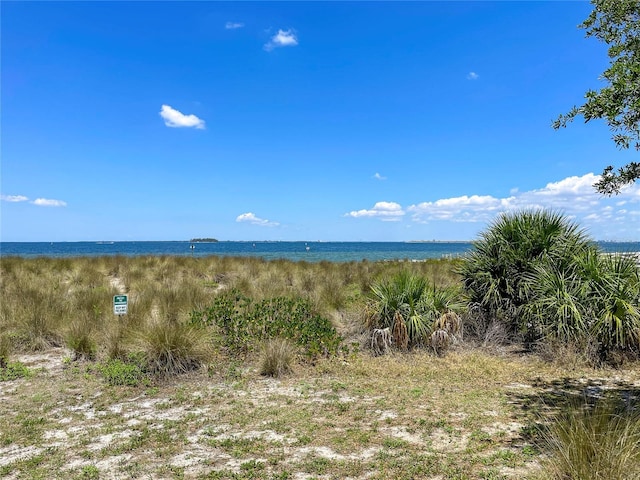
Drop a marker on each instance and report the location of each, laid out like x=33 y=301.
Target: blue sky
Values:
x=298 y=120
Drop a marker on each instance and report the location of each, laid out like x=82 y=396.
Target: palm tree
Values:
x=414 y=301
x=538 y=273
x=497 y=273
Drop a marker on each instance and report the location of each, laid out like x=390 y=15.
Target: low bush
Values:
x=538 y=274
x=241 y=323
x=79 y=337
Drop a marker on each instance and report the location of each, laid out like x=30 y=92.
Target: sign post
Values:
x=120 y=303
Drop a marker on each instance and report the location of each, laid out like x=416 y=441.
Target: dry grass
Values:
x=593 y=442
x=277 y=357
x=42 y=298
x=171 y=348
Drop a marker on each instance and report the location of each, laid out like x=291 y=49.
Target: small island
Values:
x=203 y=240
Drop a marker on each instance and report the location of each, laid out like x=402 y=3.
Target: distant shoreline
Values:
x=439 y=241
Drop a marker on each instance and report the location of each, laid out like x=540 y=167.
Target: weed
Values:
x=89 y=472
x=80 y=339
x=14 y=370
x=119 y=372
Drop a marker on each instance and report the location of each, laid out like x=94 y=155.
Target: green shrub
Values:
x=596 y=297
x=277 y=356
x=508 y=253
x=241 y=322
x=601 y=442
x=541 y=277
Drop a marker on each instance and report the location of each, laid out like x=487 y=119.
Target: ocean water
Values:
x=296 y=251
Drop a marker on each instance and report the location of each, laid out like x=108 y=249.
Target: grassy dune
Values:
x=78 y=400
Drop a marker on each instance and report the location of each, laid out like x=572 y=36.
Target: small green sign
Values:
x=120 y=303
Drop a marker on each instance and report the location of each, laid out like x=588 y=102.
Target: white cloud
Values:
x=284 y=38
x=13 y=198
x=40 y=202
x=174 y=118
x=47 y=202
x=575 y=197
x=571 y=185
x=377 y=176
x=472 y=76
x=476 y=208
x=233 y=25
x=252 y=219
x=386 y=211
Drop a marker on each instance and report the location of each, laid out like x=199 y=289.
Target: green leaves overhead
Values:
x=616 y=23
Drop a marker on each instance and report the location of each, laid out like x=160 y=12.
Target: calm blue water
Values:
x=296 y=251
x=317 y=251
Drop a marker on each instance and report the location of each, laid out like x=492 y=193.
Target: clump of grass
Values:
x=602 y=442
x=5 y=350
x=80 y=338
x=171 y=348
x=277 y=357
x=116 y=339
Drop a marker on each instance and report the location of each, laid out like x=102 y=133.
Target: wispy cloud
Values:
x=386 y=211
x=48 y=202
x=13 y=198
x=233 y=25
x=472 y=76
x=176 y=119
x=284 y=38
x=40 y=202
x=377 y=176
x=252 y=219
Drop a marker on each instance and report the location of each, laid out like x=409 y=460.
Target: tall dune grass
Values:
x=54 y=301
